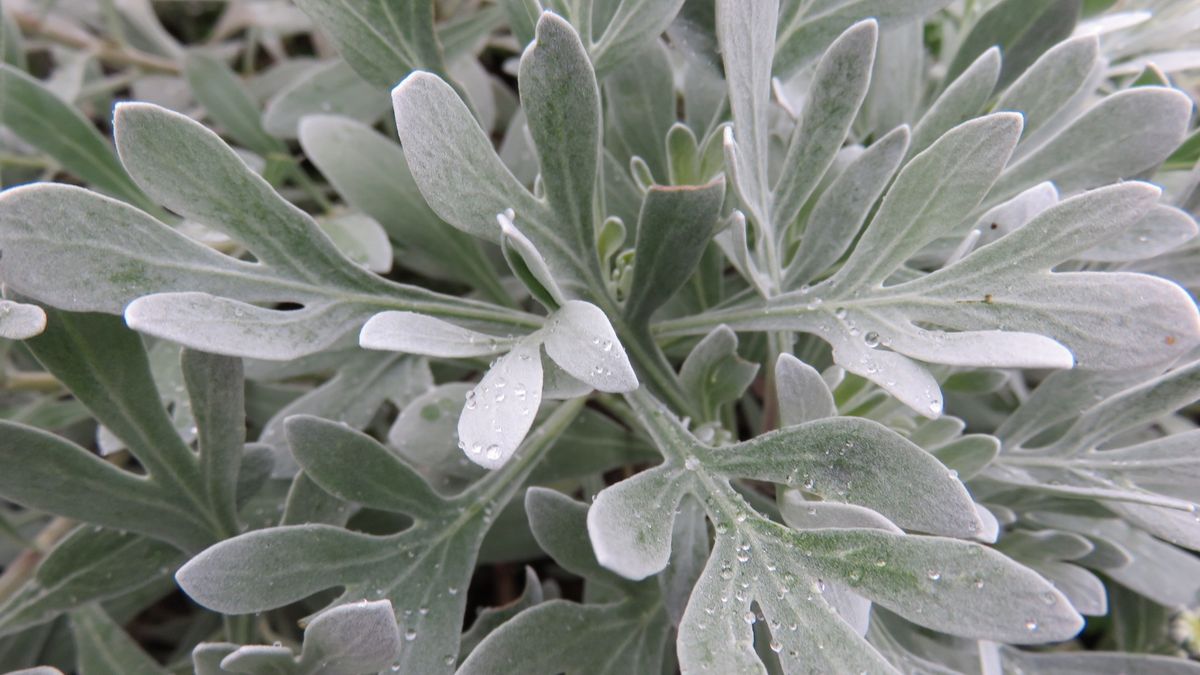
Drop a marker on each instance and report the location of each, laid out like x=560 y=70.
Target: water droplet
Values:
x=448 y=659
x=934 y=575
x=881 y=563
x=476 y=449
x=776 y=646
x=935 y=406
x=871 y=338
x=809 y=483
x=493 y=452
x=749 y=617
x=840 y=312
x=452 y=590
x=239 y=312
x=423 y=611
x=979 y=583
x=726 y=572
x=1049 y=598
x=691 y=464
x=410 y=634
x=471 y=402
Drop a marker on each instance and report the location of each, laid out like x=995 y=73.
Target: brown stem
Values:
x=105 y=51
x=30 y=381
x=26 y=562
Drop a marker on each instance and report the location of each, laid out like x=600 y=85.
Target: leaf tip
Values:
x=614 y=558
x=376 y=333
x=412 y=84
x=867 y=28
x=1008 y=122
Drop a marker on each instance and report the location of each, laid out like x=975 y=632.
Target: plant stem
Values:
x=17 y=160
x=240 y=629
x=30 y=381
x=23 y=566
x=105 y=51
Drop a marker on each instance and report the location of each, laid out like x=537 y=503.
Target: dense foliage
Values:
x=599 y=336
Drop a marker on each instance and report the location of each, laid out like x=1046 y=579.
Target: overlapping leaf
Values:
x=1149 y=481
x=941 y=583
x=200 y=298
x=343 y=640
x=629 y=634
x=500 y=410
x=424 y=570
x=187 y=499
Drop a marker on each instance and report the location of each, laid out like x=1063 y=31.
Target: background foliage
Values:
x=599 y=336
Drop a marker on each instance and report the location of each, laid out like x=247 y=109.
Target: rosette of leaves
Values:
x=858 y=322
